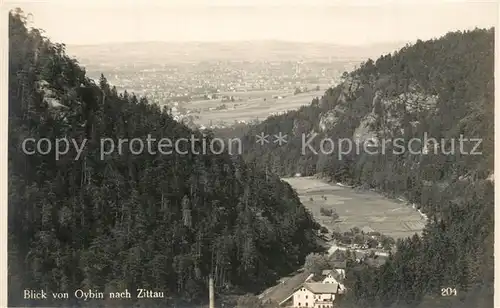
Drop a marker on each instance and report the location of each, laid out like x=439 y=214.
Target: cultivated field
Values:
x=254 y=105
x=357 y=208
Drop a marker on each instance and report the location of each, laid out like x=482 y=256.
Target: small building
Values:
x=313 y=294
x=334 y=276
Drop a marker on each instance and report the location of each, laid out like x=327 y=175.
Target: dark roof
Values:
x=322 y=288
x=281 y=291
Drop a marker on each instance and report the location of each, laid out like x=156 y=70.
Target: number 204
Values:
x=448 y=292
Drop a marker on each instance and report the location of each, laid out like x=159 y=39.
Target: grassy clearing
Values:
x=254 y=105
x=357 y=208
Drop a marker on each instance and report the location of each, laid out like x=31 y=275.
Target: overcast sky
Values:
x=102 y=21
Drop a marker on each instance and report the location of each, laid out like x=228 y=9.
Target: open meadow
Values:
x=357 y=208
x=253 y=105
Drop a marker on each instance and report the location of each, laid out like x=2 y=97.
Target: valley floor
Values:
x=357 y=208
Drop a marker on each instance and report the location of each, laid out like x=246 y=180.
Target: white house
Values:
x=335 y=276
x=338 y=270
x=330 y=279
x=332 y=276
x=313 y=294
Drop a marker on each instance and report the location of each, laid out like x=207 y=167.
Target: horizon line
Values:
x=396 y=42
x=245 y=41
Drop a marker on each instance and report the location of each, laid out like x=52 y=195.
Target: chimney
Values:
x=211 y=294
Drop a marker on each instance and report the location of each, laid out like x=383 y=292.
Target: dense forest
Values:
x=161 y=222
x=166 y=222
x=443 y=89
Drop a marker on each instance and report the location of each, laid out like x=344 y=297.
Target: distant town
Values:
x=192 y=90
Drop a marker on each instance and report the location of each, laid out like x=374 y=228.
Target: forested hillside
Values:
x=442 y=89
x=161 y=222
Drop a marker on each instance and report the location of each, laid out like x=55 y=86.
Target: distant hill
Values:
x=171 y=52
